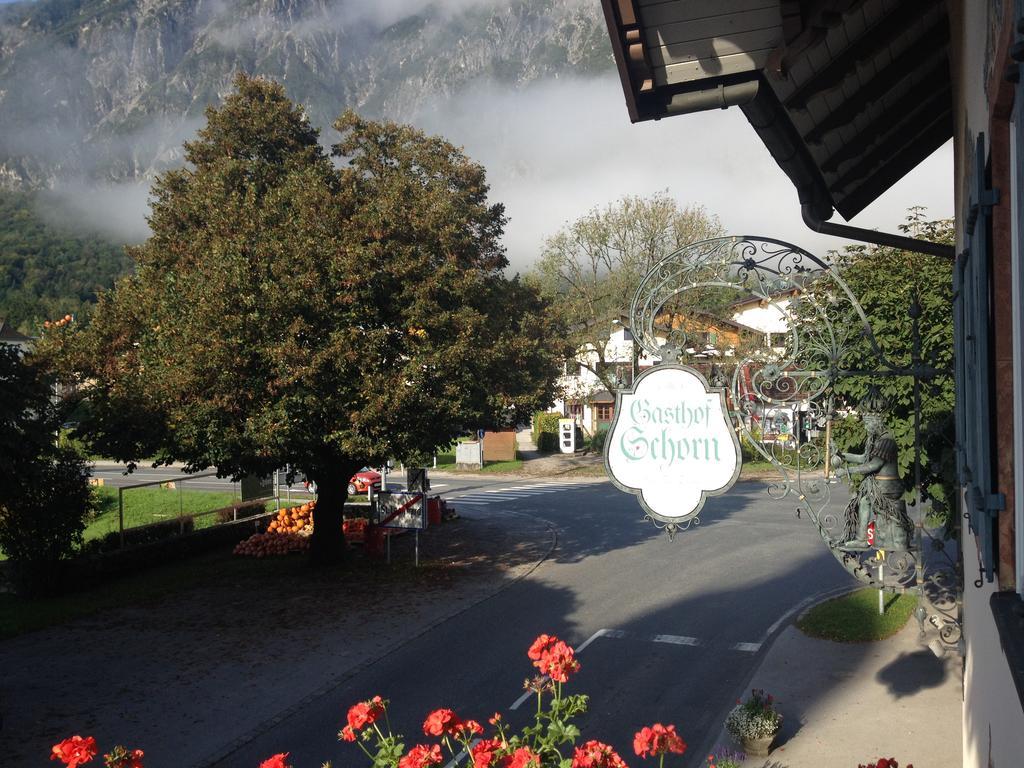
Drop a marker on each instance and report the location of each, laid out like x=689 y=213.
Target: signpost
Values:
x=401 y=510
x=672 y=444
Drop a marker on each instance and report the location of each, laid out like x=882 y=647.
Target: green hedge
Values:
x=545 y=431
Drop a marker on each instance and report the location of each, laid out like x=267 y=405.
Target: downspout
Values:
x=878 y=238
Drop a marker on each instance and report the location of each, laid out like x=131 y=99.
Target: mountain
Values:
x=108 y=89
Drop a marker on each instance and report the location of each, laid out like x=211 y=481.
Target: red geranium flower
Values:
x=276 y=761
x=441 y=722
x=347 y=734
x=594 y=754
x=657 y=740
x=540 y=645
x=521 y=758
x=365 y=713
x=483 y=752
x=557 y=661
x=467 y=729
x=74 y=751
x=421 y=756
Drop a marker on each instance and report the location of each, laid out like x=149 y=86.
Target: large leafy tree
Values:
x=591 y=268
x=888 y=283
x=288 y=311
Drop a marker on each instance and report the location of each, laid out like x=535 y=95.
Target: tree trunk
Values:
x=327 y=544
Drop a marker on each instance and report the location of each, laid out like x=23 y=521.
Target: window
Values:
x=605 y=411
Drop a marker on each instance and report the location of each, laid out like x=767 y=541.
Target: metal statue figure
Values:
x=879 y=497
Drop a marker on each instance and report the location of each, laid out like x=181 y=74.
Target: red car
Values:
x=362 y=481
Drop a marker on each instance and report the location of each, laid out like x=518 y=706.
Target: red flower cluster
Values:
x=553 y=658
x=441 y=722
x=483 y=752
x=521 y=758
x=595 y=754
x=657 y=740
x=74 y=751
x=884 y=762
x=276 y=761
x=421 y=756
x=361 y=715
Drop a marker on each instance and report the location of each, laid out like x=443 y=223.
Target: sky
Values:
x=556 y=150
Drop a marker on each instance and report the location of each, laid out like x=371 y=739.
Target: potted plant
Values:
x=755 y=723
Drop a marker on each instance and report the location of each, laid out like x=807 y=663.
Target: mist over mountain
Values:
x=107 y=90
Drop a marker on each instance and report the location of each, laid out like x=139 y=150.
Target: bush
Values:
x=143 y=534
x=748 y=450
x=597 y=441
x=546 y=424
x=547 y=442
x=45 y=496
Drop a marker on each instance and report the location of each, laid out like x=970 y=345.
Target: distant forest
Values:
x=46 y=271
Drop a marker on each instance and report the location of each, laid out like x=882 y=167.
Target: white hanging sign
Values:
x=671 y=443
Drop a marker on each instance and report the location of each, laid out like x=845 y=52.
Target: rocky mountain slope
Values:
x=107 y=89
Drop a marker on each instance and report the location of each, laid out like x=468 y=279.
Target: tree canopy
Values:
x=888 y=282
x=287 y=311
x=591 y=268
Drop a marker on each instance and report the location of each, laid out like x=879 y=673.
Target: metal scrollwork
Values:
x=794 y=377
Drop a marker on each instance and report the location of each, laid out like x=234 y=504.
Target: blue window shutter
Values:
x=973 y=285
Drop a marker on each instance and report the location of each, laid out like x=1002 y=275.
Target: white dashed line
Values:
x=747 y=647
x=675 y=640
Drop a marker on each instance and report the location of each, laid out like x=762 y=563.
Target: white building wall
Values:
x=993 y=721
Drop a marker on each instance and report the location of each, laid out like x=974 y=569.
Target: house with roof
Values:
x=848 y=96
x=11 y=336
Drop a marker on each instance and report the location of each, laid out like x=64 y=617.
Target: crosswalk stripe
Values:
x=676 y=640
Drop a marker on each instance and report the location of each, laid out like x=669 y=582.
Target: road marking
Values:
x=747 y=647
x=675 y=640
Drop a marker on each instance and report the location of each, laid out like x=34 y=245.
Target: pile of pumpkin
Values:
x=288 y=532
x=294 y=520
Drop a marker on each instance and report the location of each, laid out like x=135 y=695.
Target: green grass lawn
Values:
x=153 y=505
x=854 y=618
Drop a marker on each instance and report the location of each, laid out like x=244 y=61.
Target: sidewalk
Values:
x=847 y=704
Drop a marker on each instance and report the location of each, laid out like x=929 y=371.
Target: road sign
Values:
x=871 y=533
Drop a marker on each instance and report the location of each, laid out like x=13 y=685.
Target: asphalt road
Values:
x=669 y=631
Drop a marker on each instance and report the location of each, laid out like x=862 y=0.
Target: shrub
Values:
x=597 y=440
x=546 y=424
x=45 y=496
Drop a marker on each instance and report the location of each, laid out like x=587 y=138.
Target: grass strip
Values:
x=854 y=618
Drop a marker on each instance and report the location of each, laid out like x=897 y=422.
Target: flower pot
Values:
x=758 y=746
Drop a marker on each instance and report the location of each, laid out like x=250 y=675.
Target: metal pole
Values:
x=828 y=447
x=881 y=591
x=120 y=514
x=181 y=508
x=417 y=547
x=387 y=547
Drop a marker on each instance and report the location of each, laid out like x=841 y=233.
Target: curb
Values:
x=227 y=750
x=770 y=637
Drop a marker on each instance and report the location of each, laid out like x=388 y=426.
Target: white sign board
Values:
x=401 y=510
x=672 y=443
